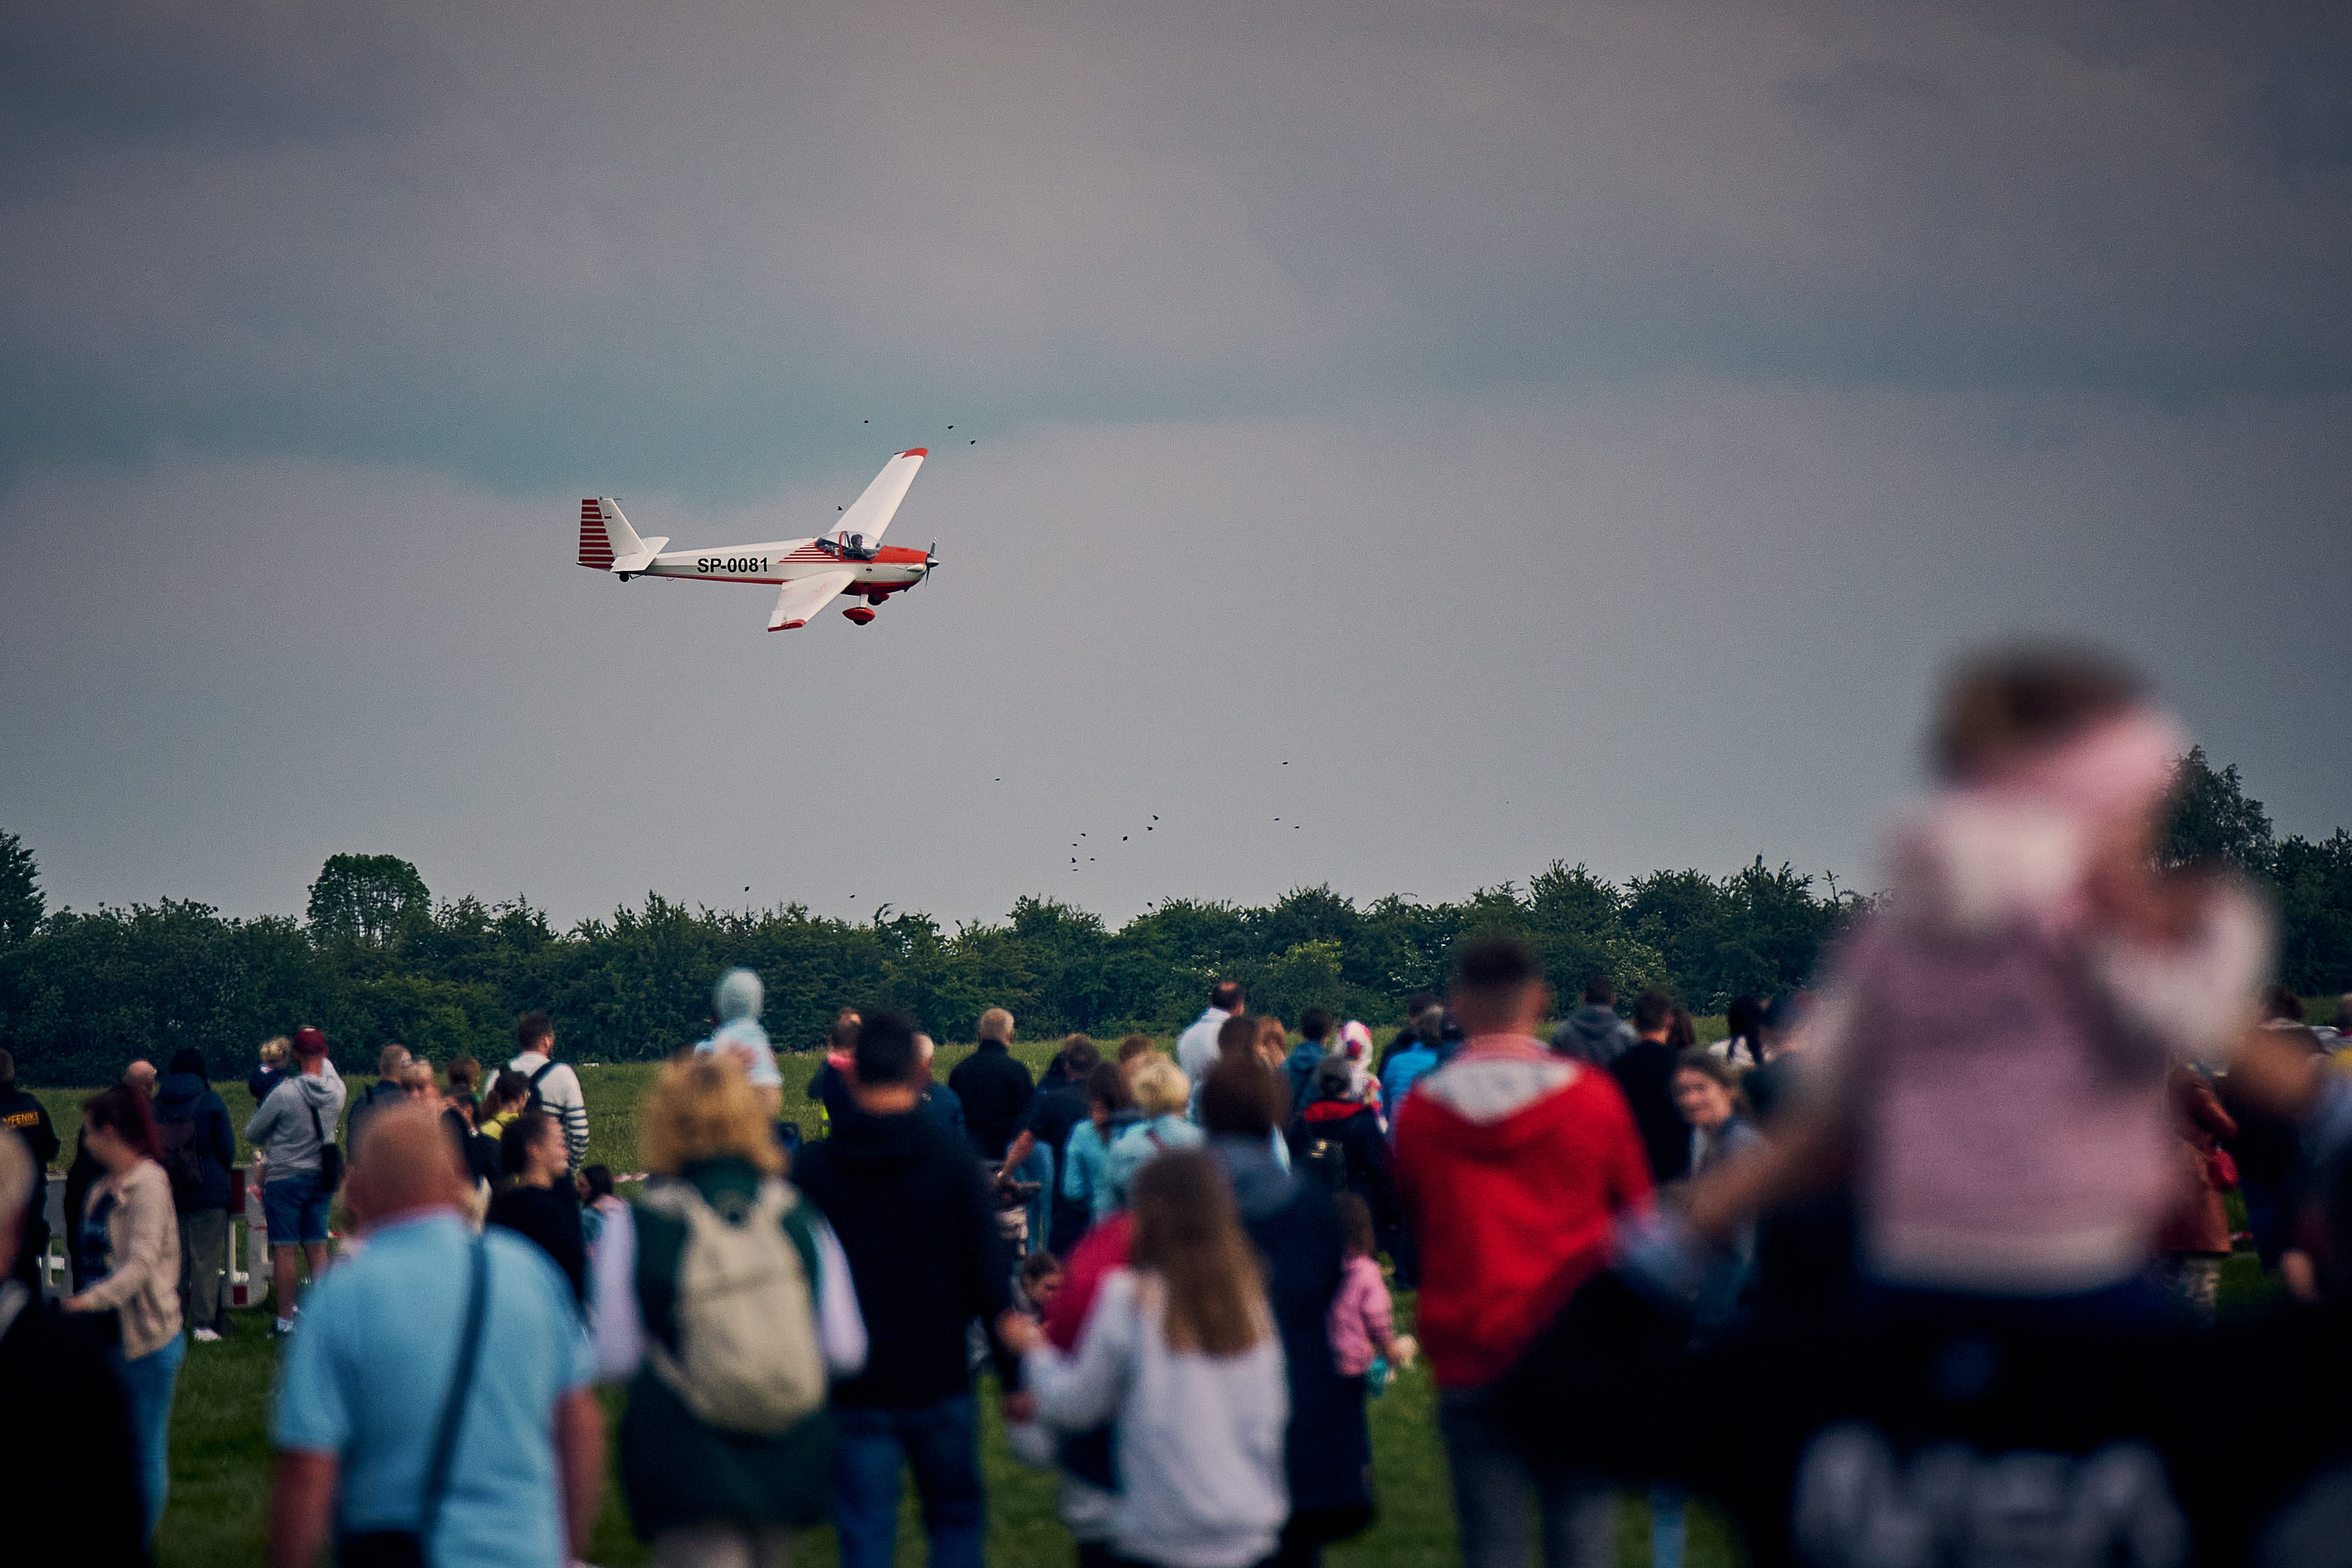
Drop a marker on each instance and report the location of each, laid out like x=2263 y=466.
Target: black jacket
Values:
x=261 y=1081
x=1645 y=1071
x=1371 y=1168
x=186 y=1097
x=1056 y=1110
x=1328 y=1447
x=380 y=1093
x=25 y=1116
x=72 y=1475
x=551 y=1218
x=480 y=1154
x=995 y=1090
x=917 y=1223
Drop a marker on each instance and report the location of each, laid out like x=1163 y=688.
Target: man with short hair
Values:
x=291 y=1132
x=140 y=1075
x=993 y=1086
x=918 y=1223
x=364 y=1383
x=1644 y=1071
x=1514 y=1163
x=1594 y=1033
x=66 y=1447
x=28 y=1119
x=555 y=1087
x=1196 y=1048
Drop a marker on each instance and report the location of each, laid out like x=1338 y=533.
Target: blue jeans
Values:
x=147 y=1385
x=942 y=1443
x=1494 y=1480
x=1667 y=1525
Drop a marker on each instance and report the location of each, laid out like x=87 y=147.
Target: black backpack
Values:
x=1325 y=1160
x=182 y=1157
x=534 y=1102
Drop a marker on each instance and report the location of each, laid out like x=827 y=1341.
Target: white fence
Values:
x=243 y=1283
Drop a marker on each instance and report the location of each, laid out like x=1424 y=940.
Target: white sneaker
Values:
x=208 y=1336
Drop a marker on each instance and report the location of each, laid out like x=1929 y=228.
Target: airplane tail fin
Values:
x=607 y=542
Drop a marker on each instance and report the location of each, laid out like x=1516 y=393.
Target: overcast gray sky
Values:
x=1471 y=435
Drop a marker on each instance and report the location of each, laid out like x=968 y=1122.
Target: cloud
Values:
x=527 y=242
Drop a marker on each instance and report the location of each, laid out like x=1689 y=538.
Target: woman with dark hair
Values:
x=541 y=1204
x=130 y=1249
x=1110 y=1107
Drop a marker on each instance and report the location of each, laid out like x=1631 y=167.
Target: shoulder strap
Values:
x=536 y=1099
x=316 y=1131
x=453 y=1408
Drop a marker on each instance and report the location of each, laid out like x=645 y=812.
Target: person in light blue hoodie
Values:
x=1085 y=1159
x=735 y=1005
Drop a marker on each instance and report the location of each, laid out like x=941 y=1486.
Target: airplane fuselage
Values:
x=888 y=570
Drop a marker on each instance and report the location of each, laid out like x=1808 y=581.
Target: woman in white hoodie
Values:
x=1180 y=1353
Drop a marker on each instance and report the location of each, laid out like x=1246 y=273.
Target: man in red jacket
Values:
x=1514 y=1163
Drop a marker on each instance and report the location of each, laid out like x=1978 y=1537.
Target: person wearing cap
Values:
x=735 y=1004
x=292 y=1130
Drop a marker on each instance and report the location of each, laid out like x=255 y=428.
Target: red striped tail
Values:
x=595 y=544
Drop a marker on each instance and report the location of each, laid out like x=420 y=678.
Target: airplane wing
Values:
x=872 y=513
x=804 y=596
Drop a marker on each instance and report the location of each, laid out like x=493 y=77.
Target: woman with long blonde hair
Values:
x=1179 y=1351
x=703 y=1487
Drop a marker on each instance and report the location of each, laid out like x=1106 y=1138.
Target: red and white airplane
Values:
x=812 y=571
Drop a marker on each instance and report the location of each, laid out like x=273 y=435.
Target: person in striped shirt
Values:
x=555 y=1087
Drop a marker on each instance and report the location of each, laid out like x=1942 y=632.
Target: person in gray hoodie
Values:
x=1594 y=1033
x=292 y=1130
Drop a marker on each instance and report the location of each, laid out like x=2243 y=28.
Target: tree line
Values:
x=376 y=958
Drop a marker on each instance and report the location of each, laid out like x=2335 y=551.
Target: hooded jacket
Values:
x=919 y=1226
x=186 y=1097
x=1372 y=1173
x=1594 y=1034
x=1327 y=1450
x=281 y=1129
x=1513 y=1165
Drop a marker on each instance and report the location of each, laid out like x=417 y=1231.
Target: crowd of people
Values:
x=1889 y=1271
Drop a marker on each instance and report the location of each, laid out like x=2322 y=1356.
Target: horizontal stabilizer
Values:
x=643 y=558
x=804 y=597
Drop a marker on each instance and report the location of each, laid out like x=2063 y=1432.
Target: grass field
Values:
x=220 y=1458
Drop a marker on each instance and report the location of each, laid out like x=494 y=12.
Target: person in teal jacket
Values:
x=1085 y=1175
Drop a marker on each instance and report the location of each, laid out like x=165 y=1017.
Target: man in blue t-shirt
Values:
x=373 y=1361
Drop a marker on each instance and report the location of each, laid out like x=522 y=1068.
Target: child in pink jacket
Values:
x=1361 y=1325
